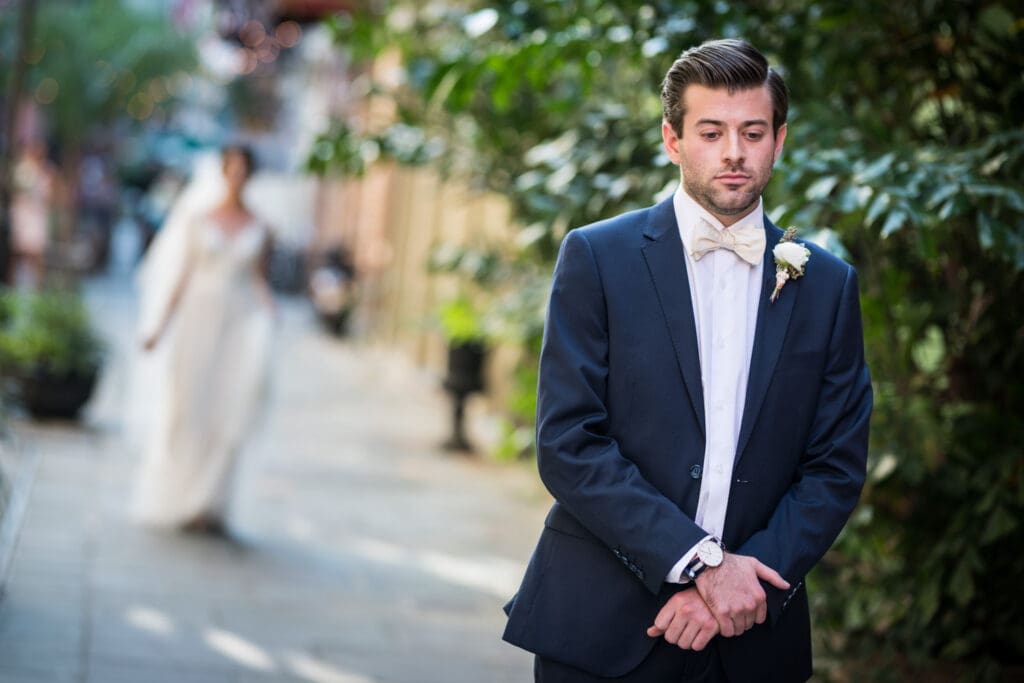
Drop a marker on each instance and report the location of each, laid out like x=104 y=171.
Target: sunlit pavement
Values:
x=362 y=552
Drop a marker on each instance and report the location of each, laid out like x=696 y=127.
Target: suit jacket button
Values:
x=695 y=471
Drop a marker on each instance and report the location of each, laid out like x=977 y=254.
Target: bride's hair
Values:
x=243 y=151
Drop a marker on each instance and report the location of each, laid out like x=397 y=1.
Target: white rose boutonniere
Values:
x=790 y=261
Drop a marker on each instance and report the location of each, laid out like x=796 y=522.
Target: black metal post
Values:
x=458 y=441
x=465 y=376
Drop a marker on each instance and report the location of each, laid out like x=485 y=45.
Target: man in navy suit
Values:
x=703 y=413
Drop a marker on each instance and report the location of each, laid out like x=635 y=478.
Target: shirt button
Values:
x=695 y=471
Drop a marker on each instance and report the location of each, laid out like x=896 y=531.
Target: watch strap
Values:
x=694 y=568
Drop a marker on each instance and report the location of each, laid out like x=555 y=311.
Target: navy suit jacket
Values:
x=620 y=444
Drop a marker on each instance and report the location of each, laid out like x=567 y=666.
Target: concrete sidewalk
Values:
x=363 y=553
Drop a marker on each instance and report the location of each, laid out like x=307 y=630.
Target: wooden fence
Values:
x=391 y=221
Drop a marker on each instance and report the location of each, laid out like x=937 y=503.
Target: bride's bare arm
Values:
x=149 y=342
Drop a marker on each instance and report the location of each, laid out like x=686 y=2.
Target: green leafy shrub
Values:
x=49 y=330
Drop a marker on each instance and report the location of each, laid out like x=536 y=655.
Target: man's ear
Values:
x=671 y=140
x=780 y=138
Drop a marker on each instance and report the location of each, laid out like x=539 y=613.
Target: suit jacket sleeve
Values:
x=828 y=484
x=579 y=462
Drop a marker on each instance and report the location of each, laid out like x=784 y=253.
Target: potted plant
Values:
x=467 y=351
x=50 y=355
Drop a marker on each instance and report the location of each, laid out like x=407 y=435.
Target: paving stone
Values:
x=42 y=670
x=121 y=671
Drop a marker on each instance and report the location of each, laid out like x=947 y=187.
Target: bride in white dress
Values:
x=206 y=323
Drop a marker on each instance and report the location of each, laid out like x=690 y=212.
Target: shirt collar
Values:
x=688 y=212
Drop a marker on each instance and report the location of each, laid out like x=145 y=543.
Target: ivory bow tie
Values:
x=747 y=241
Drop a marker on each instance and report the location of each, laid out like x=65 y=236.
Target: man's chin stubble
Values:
x=732 y=210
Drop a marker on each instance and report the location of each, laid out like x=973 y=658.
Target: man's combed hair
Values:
x=730 y=64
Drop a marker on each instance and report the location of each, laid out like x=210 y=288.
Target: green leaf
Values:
x=986 y=230
x=877 y=208
x=930 y=352
x=957 y=648
x=962 y=583
x=943 y=193
x=821 y=188
x=1012 y=198
x=1000 y=523
x=853 y=197
x=893 y=222
x=928 y=599
x=947 y=209
x=460 y=321
x=875 y=169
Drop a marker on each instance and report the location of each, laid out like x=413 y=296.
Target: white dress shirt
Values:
x=725 y=291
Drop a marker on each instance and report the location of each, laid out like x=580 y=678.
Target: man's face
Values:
x=727 y=149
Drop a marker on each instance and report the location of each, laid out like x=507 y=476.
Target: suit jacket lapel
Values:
x=663 y=251
x=770 y=332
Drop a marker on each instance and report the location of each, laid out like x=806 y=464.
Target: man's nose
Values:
x=733 y=150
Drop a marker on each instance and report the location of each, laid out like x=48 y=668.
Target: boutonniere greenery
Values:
x=790 y=260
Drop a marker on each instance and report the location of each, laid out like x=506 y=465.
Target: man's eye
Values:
x=712 y=135
x=755 y=136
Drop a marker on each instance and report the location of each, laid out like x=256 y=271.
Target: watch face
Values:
x=710 y=553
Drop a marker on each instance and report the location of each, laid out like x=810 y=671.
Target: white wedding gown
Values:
x=211 y=366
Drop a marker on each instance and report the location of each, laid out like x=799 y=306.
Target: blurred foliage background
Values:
x=100 y=70
x=905 y=155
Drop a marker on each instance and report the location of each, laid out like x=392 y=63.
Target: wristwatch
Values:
x=710 y=553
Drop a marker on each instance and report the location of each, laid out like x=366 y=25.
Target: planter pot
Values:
x=465 y=368
x=335 y=323
x=46 y=394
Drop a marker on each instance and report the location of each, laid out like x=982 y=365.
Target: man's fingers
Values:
x=762 y=611
x=702 y=639
x=664 y=618
x=725 y=626
x=766 y=573
x=685 y=639
x=675 y=630
x=655 y=632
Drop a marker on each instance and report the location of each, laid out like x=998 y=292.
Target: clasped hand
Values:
x=728 y=600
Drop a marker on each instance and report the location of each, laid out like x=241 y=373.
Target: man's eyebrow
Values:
x=745 y=124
